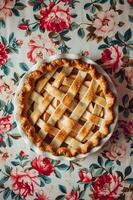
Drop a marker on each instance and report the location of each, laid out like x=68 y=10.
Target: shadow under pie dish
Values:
x=66 y=107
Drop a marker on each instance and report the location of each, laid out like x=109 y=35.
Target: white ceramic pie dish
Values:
x=111 y=85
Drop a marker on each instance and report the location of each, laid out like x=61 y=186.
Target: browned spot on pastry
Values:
x=90 y=95
x=48 y=128
x=85 y=130
x=46 y=116
x=94 y=119
x=58 y=111
x=64 y=88
x=76 y=85
x=62 y=134
x=67 y=99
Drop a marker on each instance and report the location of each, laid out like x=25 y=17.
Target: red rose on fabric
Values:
x=130 y=1
x=5 y=124
x=111 y=57
x=22 y=154
x=54 y=18
x=3 y=54
x=107 y=187
x=84 y=177
x=72 y=196
x=43 y=165
x=126 y=126
x=1 y=139
x=24 y=182
x=23 y=26
x=116 y=151
x=6 y=7
x=40 y=1
x=41 y=196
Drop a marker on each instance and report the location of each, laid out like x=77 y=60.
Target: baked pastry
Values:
x=66 y=107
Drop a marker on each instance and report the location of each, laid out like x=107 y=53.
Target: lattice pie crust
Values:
x=66 y=107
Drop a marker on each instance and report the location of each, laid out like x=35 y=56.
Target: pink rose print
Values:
x=5 y=124
x=6 y=90
x=4 y=155
x=116 y=151
x=39 y=48
x=24 y=182
x=107 y=187
x=85 y=53
x=3 y=86
x=41 y=196
x=105 y=23
x=6 y=6
x=3 y=54
x=72 y=196
x=126 y=126
x=129 y=75
x=43 y=165
x=54 y=18
x=111 y=57
x=84 y=177
x=20 y=42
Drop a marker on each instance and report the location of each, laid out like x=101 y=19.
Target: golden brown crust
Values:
x=28 y=88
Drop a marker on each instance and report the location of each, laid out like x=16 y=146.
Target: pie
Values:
x=66 y=107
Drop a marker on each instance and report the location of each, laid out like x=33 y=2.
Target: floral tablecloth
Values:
x=31 y=30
